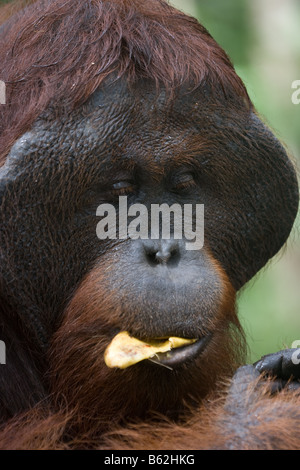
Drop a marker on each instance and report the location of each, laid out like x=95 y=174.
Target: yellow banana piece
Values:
x=125 y=350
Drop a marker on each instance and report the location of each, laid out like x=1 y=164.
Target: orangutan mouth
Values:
x=125 y=350
x=179 y=356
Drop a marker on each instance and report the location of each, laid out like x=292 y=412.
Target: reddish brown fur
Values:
x=72 y=69
x=89 y=404
x=85 y=402
x=84 y=411
x=81 y=377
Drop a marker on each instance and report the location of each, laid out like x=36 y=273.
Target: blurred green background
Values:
x=262 y=38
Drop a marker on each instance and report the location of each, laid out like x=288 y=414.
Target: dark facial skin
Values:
x=131 y=142
x=195 y=148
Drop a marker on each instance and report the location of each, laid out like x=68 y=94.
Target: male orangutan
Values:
x=110 y=98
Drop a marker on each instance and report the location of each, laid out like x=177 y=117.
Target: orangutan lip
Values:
x=178 y=356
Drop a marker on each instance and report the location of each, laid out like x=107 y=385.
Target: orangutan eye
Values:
x=123 y=187
x=184 y=181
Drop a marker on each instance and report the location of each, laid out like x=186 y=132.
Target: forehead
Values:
x=139 y=117
x=118 y=119
x=119 y=124
x=143 y=98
